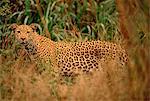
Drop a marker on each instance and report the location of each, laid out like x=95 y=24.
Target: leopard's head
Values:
x=23 y=33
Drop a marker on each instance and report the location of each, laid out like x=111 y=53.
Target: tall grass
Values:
x=21 y=79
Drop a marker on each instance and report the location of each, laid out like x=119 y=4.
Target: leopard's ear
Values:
x=33 y=26
x=13 y=26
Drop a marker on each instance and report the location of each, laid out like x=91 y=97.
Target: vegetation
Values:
x=73 y=20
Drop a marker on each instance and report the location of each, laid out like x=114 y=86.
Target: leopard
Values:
x=68 y=58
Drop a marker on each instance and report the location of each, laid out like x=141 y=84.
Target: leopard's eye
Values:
x=18 y=31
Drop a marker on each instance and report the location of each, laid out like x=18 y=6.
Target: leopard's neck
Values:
x=46 y=48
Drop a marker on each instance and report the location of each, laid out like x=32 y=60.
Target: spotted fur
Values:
x=70 y=58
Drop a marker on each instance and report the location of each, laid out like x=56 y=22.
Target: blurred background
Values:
x=126 y=22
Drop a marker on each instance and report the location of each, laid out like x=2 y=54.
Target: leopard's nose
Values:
x=23 y=39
